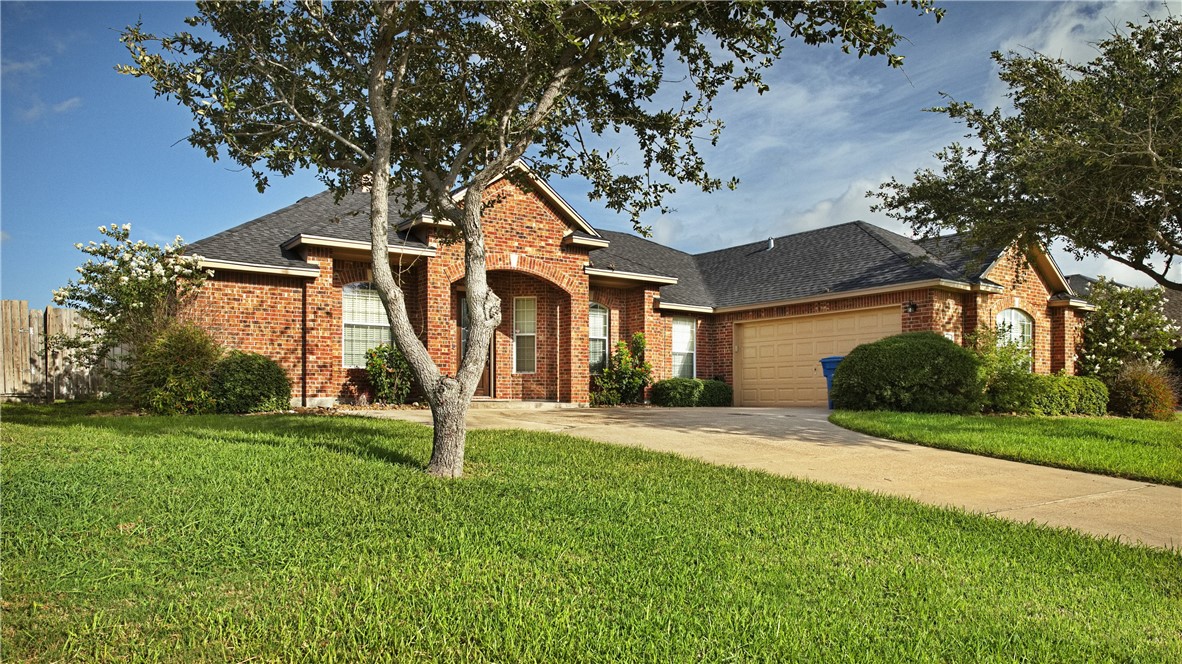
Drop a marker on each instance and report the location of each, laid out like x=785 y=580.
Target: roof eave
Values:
x=258 y=268
x=1074 y=303
x=629 y=276
x=836 y=295
x=690 y=308
x=337 y=243
x=577 y=240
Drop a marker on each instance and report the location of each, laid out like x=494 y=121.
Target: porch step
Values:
x=513 y=404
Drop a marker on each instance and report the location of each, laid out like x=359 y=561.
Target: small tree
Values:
x=1009 y=385
x=626 y=375
x=1129 y=325
x=389 y=374
x=127 y=292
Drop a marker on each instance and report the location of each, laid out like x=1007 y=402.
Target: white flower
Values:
x=127 y=227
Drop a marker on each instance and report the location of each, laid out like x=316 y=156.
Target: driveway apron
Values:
x=800 y=442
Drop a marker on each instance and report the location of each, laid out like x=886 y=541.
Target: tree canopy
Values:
x=426 y=97
x=1092 y=155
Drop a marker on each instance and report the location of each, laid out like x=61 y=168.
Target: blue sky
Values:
x=82 y=146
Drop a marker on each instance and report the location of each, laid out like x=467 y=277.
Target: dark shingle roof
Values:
x=1173 y=308
x=259 y=241
x=630 y=253
x=960 y=255
x=836 y=259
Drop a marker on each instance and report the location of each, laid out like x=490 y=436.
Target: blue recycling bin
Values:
x=829 y=367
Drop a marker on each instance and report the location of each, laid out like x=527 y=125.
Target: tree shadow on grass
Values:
x=366 y=439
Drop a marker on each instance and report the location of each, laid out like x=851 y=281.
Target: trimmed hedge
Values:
x=690 y=392
x=1067 y=395
x=250 y=383
x=920 y=372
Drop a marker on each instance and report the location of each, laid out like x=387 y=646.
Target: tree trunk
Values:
x=448 y=415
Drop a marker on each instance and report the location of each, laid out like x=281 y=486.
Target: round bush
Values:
x=173 y=375
x=250 y=383
x=716 y=393
x=919 y=372
x=676 y=392
x=1143 y=391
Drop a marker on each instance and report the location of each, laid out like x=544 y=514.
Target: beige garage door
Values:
x=778 y=362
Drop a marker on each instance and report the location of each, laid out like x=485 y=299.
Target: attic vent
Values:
x=771 y=243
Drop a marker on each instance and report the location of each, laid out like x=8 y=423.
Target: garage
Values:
x=777 y=362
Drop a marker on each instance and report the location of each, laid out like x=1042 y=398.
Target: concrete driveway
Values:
x=800 y=442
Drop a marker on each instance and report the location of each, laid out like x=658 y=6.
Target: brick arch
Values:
x=531 y=265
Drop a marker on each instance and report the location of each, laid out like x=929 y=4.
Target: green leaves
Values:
x=1092 y=156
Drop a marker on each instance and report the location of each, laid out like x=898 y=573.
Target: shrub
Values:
x=716 y=393
x=626 y=375
x=1068 y=395
x=389 y=374
x=677 y=392
x=688 y=392
x=250 y=383
x=1142 y=390
x=173 y=375
x=1009 y=387
x=912 y=372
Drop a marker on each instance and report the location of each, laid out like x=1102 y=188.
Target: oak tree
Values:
x=1091 y=155
x=424 y=98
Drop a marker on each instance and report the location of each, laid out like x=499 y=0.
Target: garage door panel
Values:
x=779 y=361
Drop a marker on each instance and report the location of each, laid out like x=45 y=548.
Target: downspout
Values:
x=558 y=352
x=304 y=343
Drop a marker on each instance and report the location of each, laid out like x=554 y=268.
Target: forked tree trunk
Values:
x=448 y=414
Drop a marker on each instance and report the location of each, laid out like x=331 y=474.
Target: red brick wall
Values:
x=524 y=255
x=254 y=313
x=1027 y=291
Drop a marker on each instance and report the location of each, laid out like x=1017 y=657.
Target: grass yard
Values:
x=1136 y=449
x=321 y=539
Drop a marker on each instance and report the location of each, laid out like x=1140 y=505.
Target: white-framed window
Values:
x=366 y=325
x=598 y=332
x=685 y=342
x=1016 y=327
x=525 y=335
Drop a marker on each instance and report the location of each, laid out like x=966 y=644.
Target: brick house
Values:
x=293 y=285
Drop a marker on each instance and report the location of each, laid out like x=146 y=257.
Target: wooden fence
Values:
x=32 y=368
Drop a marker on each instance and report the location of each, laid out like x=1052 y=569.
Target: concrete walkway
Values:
x=800 y=442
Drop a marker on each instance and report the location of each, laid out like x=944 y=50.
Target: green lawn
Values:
x=1136 y=449
x=315 y=538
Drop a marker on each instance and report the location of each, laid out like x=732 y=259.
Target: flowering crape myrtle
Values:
x=127 y=291
x=1128 y=325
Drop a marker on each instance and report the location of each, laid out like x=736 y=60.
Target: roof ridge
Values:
x=644 y=239
x=777 y=238
x=878 y=232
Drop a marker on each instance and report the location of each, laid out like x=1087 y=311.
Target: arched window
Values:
x=366 y=325
x=598 y=333
x=1016 y=327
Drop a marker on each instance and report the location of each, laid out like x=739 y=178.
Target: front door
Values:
x=485 y=387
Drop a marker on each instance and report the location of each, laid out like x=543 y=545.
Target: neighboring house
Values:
x=294 y=285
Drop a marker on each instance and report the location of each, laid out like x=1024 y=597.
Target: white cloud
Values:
x=67 y=105
x=38 y=109
x=23 y=67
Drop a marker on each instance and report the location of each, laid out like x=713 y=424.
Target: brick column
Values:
x=575 y=386
x=322 y=331
x=1066 y=326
